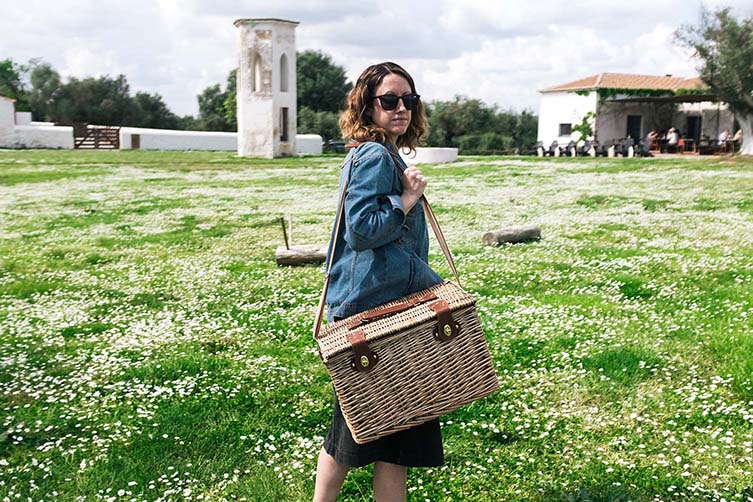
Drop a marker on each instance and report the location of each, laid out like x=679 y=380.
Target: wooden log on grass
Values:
x=301 y=255
x=512 y=235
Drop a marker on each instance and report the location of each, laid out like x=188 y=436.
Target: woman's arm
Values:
x=374 y=213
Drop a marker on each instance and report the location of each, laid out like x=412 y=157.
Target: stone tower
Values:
x=266 y=88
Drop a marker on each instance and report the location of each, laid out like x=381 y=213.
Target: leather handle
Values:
x=392 y=309
x=330 y=250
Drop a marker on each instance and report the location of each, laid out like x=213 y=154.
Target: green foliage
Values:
x=322 y=85
x=488 y=143
x=217 y=108
x=585 y=128
x=46 y=87
x=614 y=92
x=231 y=101
x=11 y=84
x=153 y=112
x=322 y=123
x=101 y=100
x=476 y=128
x=212 y=116
x=97 y=100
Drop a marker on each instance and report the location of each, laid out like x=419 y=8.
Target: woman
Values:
x=381 y=255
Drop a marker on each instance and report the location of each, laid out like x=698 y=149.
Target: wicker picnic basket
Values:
x=407 y=361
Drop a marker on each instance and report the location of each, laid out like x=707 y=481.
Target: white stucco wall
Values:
x=165 y=139
x=31 y=136
x=7 y=122
x=430 y=156
x=23 y=118
x=308 y=144
x=557 y=108
x=168 y=139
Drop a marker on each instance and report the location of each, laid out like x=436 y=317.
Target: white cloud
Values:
x=500 y=52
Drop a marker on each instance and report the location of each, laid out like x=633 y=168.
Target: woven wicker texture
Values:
x=418 y=378
x=332 y=338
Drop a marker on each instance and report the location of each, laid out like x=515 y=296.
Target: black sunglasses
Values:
x=389 y=101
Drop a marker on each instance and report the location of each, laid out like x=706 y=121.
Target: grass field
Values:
x=150 y=348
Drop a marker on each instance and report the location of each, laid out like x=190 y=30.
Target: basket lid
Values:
x=333 y=340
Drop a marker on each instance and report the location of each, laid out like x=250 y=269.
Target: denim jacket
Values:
x=381 y=253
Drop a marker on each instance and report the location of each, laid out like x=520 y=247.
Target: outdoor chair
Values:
x=538 y=149
x=569 y=150
x=614 y=148
x=644 y=150
x=676 y=148
x=627 y=147
x=554 y=147
x=582 y=150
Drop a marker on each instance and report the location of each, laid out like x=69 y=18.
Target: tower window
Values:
x=284 y=73
x=283 y=124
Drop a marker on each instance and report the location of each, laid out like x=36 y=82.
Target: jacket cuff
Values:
x=397 y=202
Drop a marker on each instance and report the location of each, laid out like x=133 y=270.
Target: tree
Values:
x=476 y=128
x=96 y=100
x=218 y=108
x=448 y=120
x=322 y=123
x=724 y=48
x=322 y=85
x=101 y=100
x=45 y=90
x=11 y=83
x=526 y=131
x=212 y=110
x=230 y=105
x=153 y=112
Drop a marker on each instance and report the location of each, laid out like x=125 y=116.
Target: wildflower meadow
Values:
x=151 y=349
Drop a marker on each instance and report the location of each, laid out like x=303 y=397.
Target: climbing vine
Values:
x=585 y=128
x=614 y=92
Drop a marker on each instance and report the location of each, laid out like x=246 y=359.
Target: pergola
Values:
x=674 y=98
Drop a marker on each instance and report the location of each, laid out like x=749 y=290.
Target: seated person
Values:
x=651 y=139
x=673 y=137
x=724 y=136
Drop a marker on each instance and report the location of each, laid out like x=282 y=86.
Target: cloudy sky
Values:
x=499 y=51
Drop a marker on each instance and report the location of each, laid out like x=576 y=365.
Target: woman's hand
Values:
x=414 y=184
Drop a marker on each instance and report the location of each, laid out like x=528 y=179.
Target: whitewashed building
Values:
x=626 y=105
x=18 y=131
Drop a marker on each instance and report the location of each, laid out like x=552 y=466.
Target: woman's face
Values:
x=396 y=121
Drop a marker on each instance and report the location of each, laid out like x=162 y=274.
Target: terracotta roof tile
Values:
x=629 y=81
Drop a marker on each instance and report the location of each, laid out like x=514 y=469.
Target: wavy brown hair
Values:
x=355 y=122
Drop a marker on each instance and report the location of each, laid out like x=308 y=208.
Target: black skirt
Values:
x=419 y=446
